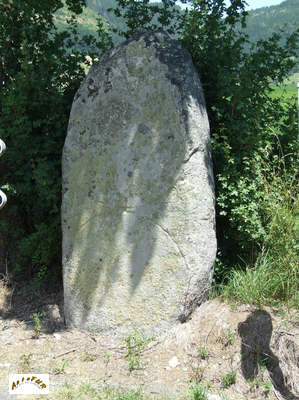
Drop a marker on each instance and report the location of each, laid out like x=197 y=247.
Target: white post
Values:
x=3 y=198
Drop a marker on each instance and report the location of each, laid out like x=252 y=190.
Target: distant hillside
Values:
x=88 y=19
x=101 y=7
x=261 y=23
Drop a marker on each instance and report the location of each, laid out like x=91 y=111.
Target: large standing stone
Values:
x=138 y=203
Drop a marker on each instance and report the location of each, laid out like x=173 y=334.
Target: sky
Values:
x=252 y=4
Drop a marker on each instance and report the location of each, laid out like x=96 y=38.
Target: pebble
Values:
x=5 y=365
x=57 y=336
x=173 y=362
x=214 y=397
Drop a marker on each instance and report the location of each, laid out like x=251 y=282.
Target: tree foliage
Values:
x=249 y=128
x=40 y=70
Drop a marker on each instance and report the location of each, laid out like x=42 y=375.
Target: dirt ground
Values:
x=238 y=352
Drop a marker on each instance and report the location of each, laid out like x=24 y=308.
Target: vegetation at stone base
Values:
x=253 y=133
x=275 y=273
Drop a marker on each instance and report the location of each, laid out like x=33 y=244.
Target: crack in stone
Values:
x=191 y=154
x=175 y=242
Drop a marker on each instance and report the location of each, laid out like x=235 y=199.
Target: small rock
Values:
x=57 y=336
x=214 y=397
x=173 y=362
x=5 y=365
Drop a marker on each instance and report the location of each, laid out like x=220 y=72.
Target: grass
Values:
x=203 y=352
x=198 y=392
x=87 y=391
x=273 y=279
x=288 y=90
x=230 y=337
x=229 y=379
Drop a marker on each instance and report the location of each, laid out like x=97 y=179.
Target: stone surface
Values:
x=138 y=218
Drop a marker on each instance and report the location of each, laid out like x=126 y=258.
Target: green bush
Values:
x=273 y=279
x=253 y=133
x=40 y=70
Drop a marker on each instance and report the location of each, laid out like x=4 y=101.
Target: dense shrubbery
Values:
x=40 y=70
x=274 y=276
x=253 y=134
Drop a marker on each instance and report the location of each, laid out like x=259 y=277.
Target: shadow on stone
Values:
x=138 y=192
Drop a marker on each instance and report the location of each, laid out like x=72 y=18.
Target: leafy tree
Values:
x=249 y=128
x=40 y=70
x=246 y=122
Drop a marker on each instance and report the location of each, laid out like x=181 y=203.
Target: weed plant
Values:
x=25 y=362
x=89 y=357
x=258 y=382
x=273 y=278
x=60 y=369
x=230 y=337
x=136 y=343
x=203 y=352
x=37 y=323
x=198 y=392
x=229 y=379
